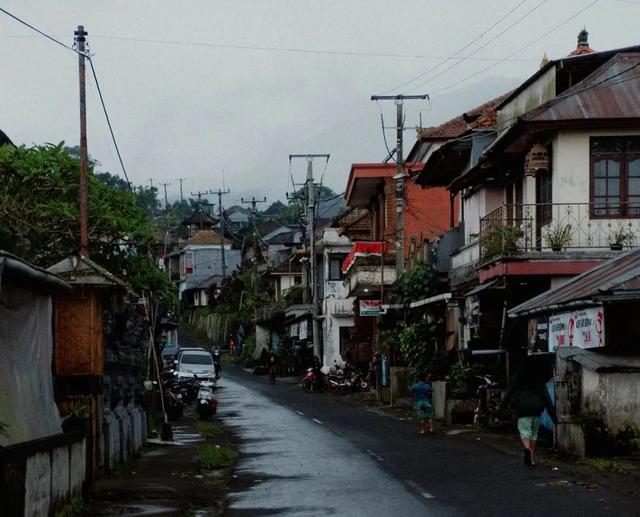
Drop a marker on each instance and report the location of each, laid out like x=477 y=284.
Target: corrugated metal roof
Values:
x=620 y=276
x=611 y=92
x=599 y=361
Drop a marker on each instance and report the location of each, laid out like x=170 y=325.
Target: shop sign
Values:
x=581 y=329
x=370 y=307
x=294 y=330
x=303 y=330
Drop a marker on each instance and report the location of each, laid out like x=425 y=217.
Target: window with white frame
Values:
x=188 y=263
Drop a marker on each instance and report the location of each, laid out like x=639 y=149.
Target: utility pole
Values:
x=401 y=174
x=150 y=182
x=256 y=245
x=166 y=200
x=311 y=233
x=80 y=35
x=221 y=193
x=199 y=195
x=181 y=180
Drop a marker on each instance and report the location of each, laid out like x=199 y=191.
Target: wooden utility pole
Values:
x=80 y=38
x=221 y=193
x=401 y=174
x=181 y=180
x=256 y=245
x=166 y=200
x=310 y=196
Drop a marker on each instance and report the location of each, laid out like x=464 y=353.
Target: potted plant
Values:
x=620 y=237
x=499 y=238
x=558 y=236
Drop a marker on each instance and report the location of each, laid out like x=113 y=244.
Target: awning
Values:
x=363 y=249
x=433 y=299
x=481 y=287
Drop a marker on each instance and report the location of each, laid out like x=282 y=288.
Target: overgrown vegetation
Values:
x=618 y=465
x=209 y=429
x=215 y=456
x=40 y=210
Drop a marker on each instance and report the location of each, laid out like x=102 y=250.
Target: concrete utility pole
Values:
x=80 y=35
x=199 y=195
x=181 y=196
x=221 y=193
x=256 y=245
x=401 y=174
x=311 y=233
x=166 y=200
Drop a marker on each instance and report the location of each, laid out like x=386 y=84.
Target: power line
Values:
x=464 y=58
x=106 y=116
x=554 y=28
x=286 y=49
x=455 y=53
x=95 y=78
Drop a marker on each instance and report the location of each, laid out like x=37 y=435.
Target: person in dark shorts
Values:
x=529 y=398
x=422 y=392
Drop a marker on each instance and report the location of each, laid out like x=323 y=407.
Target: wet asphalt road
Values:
x=312 y=454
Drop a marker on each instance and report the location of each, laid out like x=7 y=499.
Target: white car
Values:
x=196 y=363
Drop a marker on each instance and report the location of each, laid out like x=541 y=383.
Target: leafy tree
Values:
x=275 y=208
x=40 y=213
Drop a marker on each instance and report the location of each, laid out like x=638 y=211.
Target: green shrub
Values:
x=215 y=456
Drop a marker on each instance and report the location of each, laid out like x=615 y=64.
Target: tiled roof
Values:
x=206 y=237
x=480 y=117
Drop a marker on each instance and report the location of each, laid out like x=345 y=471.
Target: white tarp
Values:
x=27 y=405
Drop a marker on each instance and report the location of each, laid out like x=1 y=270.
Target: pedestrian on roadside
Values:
x=422 y=392
x=271 y=364
x=529 y=397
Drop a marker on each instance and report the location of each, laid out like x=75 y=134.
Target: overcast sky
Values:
x=192 y=111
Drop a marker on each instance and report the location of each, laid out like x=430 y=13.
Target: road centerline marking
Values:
x=299 y=412
x=419 y=489
x=317 y=421
x=375 y=455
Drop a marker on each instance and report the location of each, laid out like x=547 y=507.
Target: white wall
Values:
x=570 y=181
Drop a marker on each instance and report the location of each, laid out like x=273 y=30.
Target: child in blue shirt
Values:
x=422 y=392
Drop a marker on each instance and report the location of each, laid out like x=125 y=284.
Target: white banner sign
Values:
x=582 y=329
x=303 y=330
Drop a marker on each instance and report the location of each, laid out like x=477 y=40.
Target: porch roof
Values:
x=617 y=279
x=599 y=361
x=365 y=178
x=18 y=271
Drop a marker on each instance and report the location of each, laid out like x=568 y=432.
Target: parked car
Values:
x=197 y=364
x=181 y=351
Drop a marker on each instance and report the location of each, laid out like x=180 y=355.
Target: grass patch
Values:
x=226 y=358
x=73 y=508
x=619 y=465
x=209 y=429
x=215 y=456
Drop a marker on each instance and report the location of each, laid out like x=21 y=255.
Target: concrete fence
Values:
x=40 y=476
x=214 y=326
x=124 y=433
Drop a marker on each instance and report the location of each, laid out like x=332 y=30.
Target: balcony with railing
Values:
x=558 y=228
x=368 y=267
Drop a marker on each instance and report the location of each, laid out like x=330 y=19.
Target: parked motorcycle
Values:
x=207 y=405
x=313 y=380
x=174 y=405
x=357 y=379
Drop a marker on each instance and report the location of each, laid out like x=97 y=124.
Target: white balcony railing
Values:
x=558 y=227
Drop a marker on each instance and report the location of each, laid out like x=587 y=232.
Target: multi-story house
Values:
x=548 y=194
x=370 y=267
x=336 y=305
x=197 y=266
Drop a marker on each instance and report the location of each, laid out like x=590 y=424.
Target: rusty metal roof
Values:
x=614 y=280
x=610 y=92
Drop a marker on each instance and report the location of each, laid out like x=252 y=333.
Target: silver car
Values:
x=195 y=363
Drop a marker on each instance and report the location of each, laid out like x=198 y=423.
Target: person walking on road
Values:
x=271 y=364
x=422 y=392
x=530 y=398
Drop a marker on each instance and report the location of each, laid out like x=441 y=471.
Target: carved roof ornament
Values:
x=583 y=44
x=544 y=60
x=537 y=161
